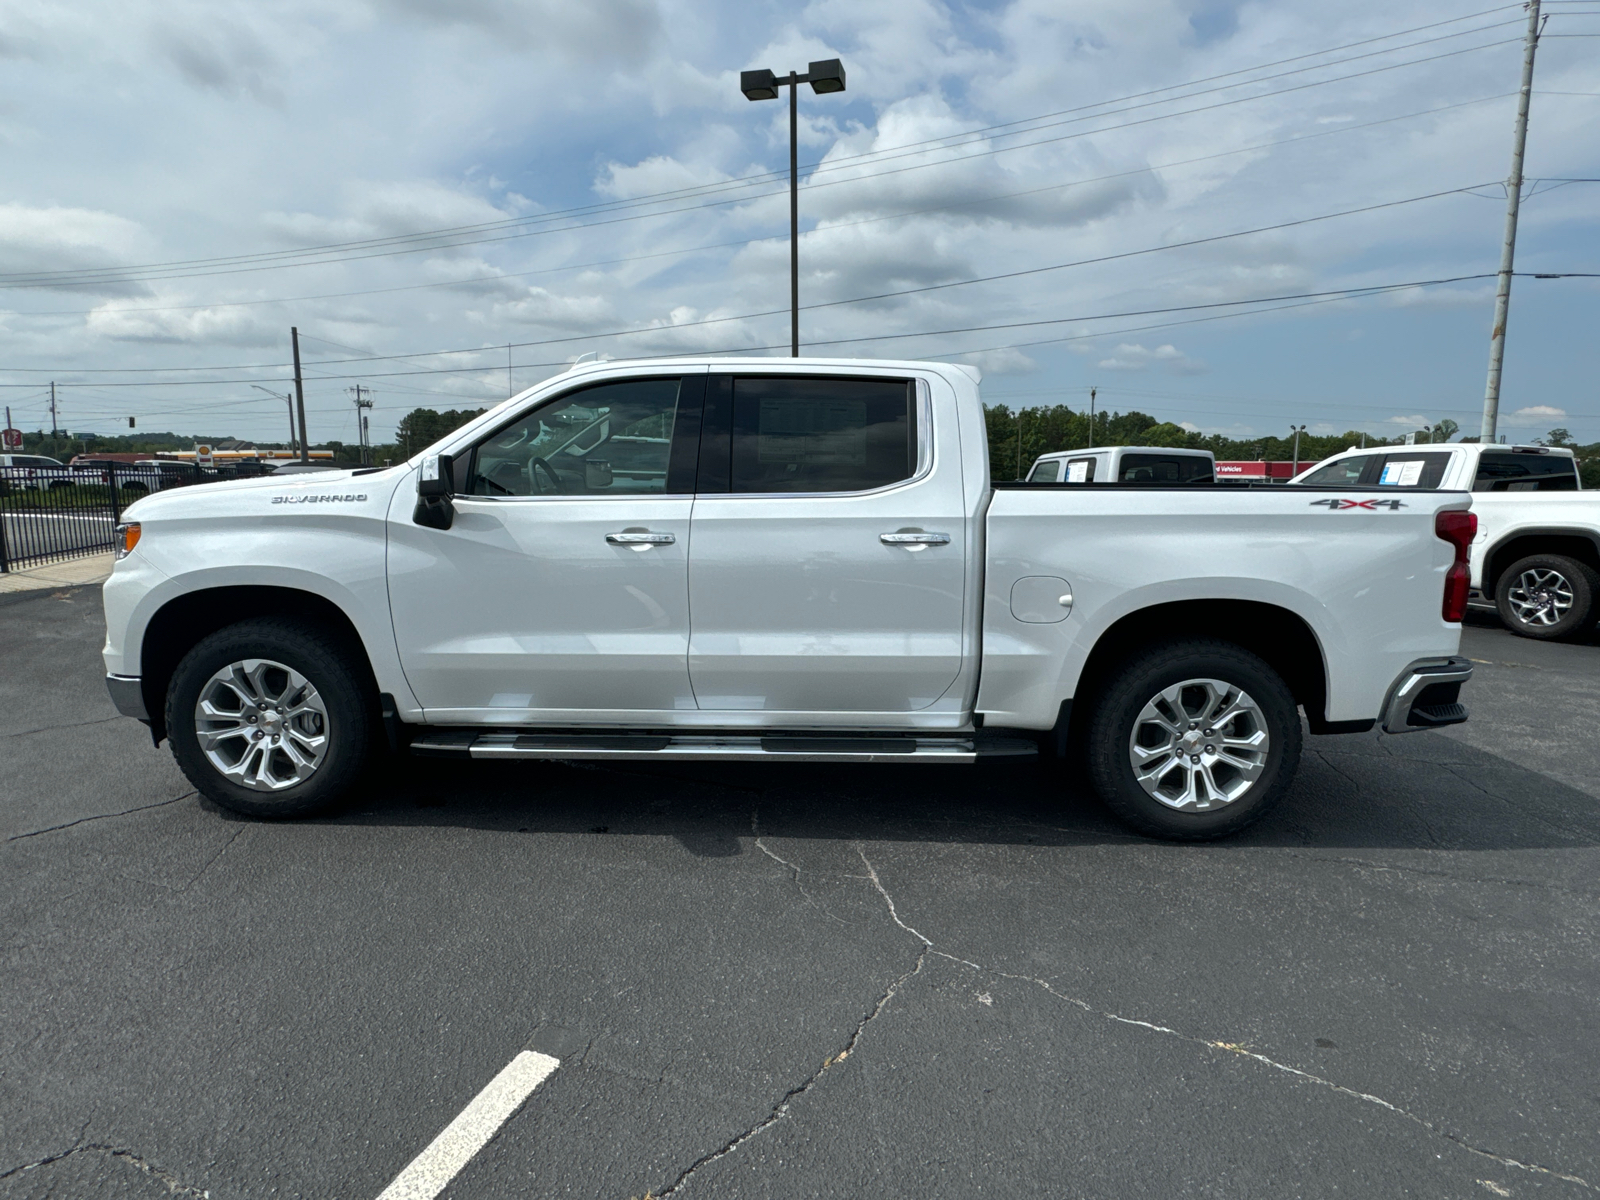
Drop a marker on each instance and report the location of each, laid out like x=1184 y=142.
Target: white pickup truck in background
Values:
x=776 y=560
x=1125 y=464
x=1536 y=556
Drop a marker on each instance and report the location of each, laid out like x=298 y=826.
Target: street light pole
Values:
x=824 y=77
x=1298 y=430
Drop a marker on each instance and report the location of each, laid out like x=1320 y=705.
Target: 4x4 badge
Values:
x=1334 y=505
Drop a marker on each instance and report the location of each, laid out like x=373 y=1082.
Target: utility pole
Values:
x=1091 y=418
x=1298 y=430
x=361 y=416
x=300 y=395
x=55 y=424
x=1019 y=442
x=1508 y=248
x=510 y=390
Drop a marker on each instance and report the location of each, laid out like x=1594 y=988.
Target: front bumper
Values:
x=1427 y=695
x=127 y=693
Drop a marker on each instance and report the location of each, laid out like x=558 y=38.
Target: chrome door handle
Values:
x=914 y=539
x=640 y=539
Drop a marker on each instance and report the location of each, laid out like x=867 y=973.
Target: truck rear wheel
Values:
x=1193 y=740
x=1547 y=596
x=270 y=718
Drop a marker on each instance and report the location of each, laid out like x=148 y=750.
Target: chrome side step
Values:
x=790 y=747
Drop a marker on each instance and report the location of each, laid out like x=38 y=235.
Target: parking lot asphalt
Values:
x=802 y=981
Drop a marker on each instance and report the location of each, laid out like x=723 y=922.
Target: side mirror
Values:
x=437 y=478
x=435 y=485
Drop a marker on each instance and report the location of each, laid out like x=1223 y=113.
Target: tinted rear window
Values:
x=1163 y=468
x=1508 y=471
x=816 y=434
x=1046 y=472
x=1344 y=473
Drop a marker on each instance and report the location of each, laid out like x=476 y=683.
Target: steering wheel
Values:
x=537 y=464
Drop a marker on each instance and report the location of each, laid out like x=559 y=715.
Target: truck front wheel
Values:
x=1547 y=596
x=1193 y=740
x=270 y=718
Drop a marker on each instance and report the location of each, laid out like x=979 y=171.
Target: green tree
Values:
x=421 y=427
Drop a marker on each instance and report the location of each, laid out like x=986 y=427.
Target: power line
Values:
x=974 y=202
x=109 y=275
x=569 y=339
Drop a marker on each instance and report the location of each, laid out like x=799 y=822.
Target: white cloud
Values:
x=1131 y=356
x=1536 y=413
x=1415 y=422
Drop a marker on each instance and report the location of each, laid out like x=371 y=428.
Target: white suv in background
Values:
x=1536 y=558
x=33 y=472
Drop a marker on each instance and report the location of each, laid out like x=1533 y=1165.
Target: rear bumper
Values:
x=127 y=693
x=1426 y=695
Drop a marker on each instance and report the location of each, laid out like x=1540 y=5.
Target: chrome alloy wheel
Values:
x=262 y=725
x=1199 y=745
x=1541 y=597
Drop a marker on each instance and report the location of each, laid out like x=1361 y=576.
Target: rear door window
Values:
x=1080 y=470
x=1346 y=472
x=1513 y=471
x=1163 y=468
x=822 y=434
x=1413 y=469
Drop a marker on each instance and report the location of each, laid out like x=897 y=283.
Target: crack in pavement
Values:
x=781 y=1109
x=1406 y=869
x=68 y=725
x=17 y=837
x=755 y=830
x=1230 y=1047
x=174 y=1185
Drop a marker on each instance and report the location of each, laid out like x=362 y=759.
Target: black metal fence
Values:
x=50 y=514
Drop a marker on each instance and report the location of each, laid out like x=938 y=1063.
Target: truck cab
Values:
x=1125 y=464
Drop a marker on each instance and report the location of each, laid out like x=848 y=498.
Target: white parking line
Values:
x=435 y=1167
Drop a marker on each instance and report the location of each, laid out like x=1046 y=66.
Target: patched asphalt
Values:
x=803 y=981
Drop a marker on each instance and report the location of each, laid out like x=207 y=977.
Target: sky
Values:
x=1066 y=194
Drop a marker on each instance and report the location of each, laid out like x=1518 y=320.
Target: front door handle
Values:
x=640 y=540
x=914 y=539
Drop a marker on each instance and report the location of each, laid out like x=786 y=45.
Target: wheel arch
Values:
x=179 y=624
x=1573 y=542
x=1276 y=634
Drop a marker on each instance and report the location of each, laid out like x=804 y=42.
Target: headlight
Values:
x=127 y=537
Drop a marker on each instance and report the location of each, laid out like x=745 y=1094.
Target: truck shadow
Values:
x=1418 y=792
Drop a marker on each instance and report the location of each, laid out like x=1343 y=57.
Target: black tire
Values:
x=343 y=687
x=1532 y=589
x=1139 y=682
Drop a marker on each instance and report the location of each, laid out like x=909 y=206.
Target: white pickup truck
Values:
x=1536 y=556
x=780 y=560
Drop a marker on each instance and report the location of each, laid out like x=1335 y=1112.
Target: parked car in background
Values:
x=133 y=479
x=780 y=560
x=33 y=472
x=1125 y=464
x=1536 y=557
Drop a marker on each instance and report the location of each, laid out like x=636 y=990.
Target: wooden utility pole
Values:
x=300 y=394
x=1508 y=247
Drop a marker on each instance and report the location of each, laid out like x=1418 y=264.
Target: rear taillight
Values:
x=1458 y=528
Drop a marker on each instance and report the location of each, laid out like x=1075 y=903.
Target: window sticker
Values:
x=1078 y=472
x=1401 y=474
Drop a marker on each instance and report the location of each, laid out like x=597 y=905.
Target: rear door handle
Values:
x=914 y=539
x=640 y=539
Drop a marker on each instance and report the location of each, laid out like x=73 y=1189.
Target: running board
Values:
x=822 y=748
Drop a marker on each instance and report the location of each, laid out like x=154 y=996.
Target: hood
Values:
x=196 y=497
